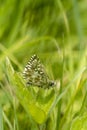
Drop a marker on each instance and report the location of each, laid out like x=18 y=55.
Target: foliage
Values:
x=56 y=32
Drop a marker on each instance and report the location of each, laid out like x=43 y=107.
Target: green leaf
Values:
x=37 y=102
x=80 y=123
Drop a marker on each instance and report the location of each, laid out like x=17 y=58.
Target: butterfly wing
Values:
x=34 y=73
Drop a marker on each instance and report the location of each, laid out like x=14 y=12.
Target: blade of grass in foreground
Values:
x=1 y=118
x=7 y=121
x=60 y=91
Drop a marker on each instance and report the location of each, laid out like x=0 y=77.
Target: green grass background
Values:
x=55 y=30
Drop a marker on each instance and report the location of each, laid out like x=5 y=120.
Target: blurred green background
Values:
x=55 y=30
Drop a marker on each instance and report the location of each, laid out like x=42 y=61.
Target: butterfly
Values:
x=35 y=74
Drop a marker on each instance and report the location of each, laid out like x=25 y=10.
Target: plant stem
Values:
x=60 y=102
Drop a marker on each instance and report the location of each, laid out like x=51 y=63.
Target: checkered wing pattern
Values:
x=35 y=75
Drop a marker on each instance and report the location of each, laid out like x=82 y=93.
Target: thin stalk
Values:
x=60 y=91
x=83 y=103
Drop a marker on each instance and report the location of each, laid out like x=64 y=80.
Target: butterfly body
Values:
x=35 y=75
